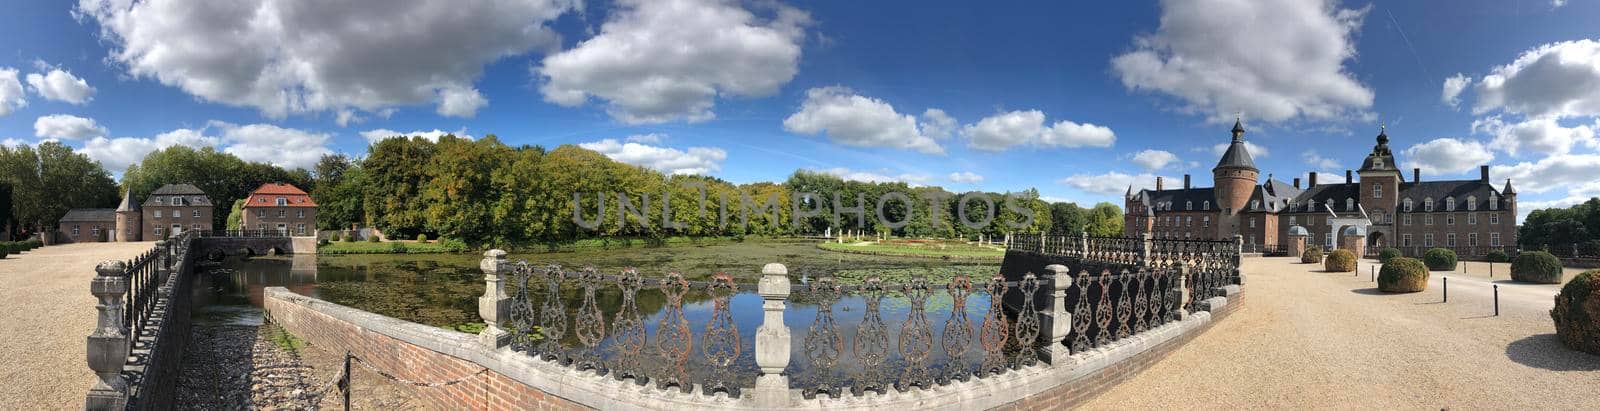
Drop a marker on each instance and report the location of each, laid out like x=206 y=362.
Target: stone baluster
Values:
x=772 y=339
x=1084 y=247
x=1238 y=259
x=494 y=304
x=1180 y=291
x=1060 y=318
x=108 y=344
x=1145 y=249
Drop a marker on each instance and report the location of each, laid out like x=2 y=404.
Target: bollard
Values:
x=1373 y=273
x=1447 y=289
x=1497 y=300
x=344 y=383
x=1491 y=270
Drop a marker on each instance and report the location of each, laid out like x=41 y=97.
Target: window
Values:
x=1311 y=205
x=1188 y=221
x=283 y=201
x=1450 y=240
x=1377 y=190
x=1449 y=204
x=1349 y=204
x=1407 y=204
x=177 y=201
x=1472 y=203
x=1188 y=205
x=159 y=200
x=1377 y=216
x=1206 y=205
x=1291 y=220
x=1406 y=219
x=1252 y=239
x=1472 y=239
x=1494 y=239
x=299 y=213
x=1427 y=204
x=261 y=213
x=1427 y=219
x=196 y=213
x=1252 y=223
x=1494 y=202
x=280 y=213
x=195 y=227
x=1450 y=219
x=261 y=227
x=95 y=231
x=1472 y=218
x=1405 y=240
x=158 y=231
x=1494 y=218
x=1255 y=204
x=1327 y=240
x=1205 y=221
x=1377 y=162
x=1427 y=240
x=74 y=231
x=301 y=229
x=158 y=213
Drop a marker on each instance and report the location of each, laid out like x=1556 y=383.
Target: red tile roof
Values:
x=267 y=196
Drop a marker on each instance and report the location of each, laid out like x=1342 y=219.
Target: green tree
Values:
x=396 y=169
x=236 y=215
x=1105 y=220
x=48 y=180
x=1067 y=219
x=222 y=176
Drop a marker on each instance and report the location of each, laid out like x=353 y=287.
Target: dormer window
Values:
x=1449 y=204
x=1472 y=203
x=1377 y=162
x=1407 y=205
x=1427 y=204
x=1349 y=204
x=1254 y=204
x=177 y=201
x=1206 y=205
x=1494 y=202
x=283 y=201
x=1188 y=206
x=160 y=201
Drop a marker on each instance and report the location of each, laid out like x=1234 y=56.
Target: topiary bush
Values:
x=1387 y=254
x=372 y=239
x=1577 y=313
x=1403 y=275
x=1536 y=267
x=1497 y=256
x=422 y=238
x=333 y=237
x=1340 y=261
x=350 y=238
x=1440 y=259
x=1311 y=255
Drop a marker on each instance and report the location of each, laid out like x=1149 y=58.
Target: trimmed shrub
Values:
x=1340 y=261
x=372 y=239
x=1497 y=256
x=1387 y=254
x=1403 y=275
x=333 y=237
x=350 y=238
x=422 y=238
x=1577 y=313
x=1536 y=267
x=1312 y=255
x=3 y=252
x=1440 y=259
x=453 y=245
x=322 y=242
x=397 y=248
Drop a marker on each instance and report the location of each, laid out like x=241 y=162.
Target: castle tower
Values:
x=1235 y=175
x=128 y=220
x=1380 y=191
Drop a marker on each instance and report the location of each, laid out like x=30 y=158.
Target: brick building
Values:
x=281 y=207
x=1471 y=216
x=173 y=209
x=86 y=225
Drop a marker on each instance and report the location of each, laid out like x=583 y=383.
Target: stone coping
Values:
x=605 y=392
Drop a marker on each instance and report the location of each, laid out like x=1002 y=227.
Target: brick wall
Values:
x=488 y=391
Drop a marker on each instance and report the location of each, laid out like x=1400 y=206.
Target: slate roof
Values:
x=1322 y=194
x=178 y=189
x=1273 y=192
x=90 y=215
x=191 y=194
x=1179 y=198
x=127 y=203
x=1236 y=156
x=1439 y=190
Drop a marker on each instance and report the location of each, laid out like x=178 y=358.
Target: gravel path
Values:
x=1308 y=339
x=46 y=311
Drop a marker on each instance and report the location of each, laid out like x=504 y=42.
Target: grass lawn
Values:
x=387 y=247
x=915 y=248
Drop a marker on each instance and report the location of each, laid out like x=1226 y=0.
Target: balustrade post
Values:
x=494 y=304
x=1147 y=246
x=108 y=344
x=1238 y=259
x=772 y=338
x=1084 y=247
x=1181 y=291
x=1057 y=353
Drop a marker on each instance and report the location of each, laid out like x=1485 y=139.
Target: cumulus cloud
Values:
x=286 y=56
x=855 y=120
x=1005 y=130
x=967 y=177
x=61 y=85
x=116 y=154
x=11 y=95
x=651 y=138
x=1315 y=159
x=67 y=127
x=914 y=180
x=1562 y=170
x=374 y=136
x=1448 y=155
x=935 y=123
x=1453 y=86
x=282 y=147
x=695 y=160
x=1154 y=159
x=1536 y=136
x=1256 y=151
x=661 y=60
x=1557 y=80
x=1276 y=60
x=1114 y=183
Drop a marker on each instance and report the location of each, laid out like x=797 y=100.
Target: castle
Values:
x=1470 y=216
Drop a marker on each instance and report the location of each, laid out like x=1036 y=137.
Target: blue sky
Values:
x=1077 y=100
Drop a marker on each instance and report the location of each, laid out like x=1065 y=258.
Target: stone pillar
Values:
x=494 y=304
x=772 y=339
x=1145 y=249
x=1238 y=259
x=1357 y=244
x=1296 y=245
x=1083 y=248
x=1057 y=353
x=1182 y=289
x=108 y=344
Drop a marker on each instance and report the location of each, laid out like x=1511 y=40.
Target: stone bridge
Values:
x=215 y=248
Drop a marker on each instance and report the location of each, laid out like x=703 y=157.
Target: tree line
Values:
x=1560 y=229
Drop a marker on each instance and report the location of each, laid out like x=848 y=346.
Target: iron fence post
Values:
x=772 y=338
x=493 y=305
x=1060 y=325
x=108 y=344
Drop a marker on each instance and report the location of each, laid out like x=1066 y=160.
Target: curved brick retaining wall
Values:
x=513 y=380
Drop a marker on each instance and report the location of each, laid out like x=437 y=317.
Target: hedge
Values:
x=1311 y=255
x=1388 y=253
x=1536 y=267
x=1577 y=313
x=1340 y=261
x=1403 y=275
x=1440 y=259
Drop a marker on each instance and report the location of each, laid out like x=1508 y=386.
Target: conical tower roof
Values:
x=1509 y=189
x=127 y=202
x=1237 y=155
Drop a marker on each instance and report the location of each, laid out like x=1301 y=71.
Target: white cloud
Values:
x=61 y=85
x=374 y=136
x=282 y=147
x=935 y=123
x=12 y=142
x=652 y=138
x=1536 y=136
x=1315 y=159
x=914 y=180
x=1323 y=177
x=1453 y=86
x=1448 y=156
x=116 y=154
x=460 y=102
x=1115 y=183
x=1154 y=159
x=1005 y=130
x=1562 y=170
x=11 y=94
x=696 y=160
x=1557 y=3
x=286 y=56
x=1256 y=151
x=966 y=177
x=67 y=127
x=1558 y=80
x=661 y=60
x=1273 y=59
x=855 y=120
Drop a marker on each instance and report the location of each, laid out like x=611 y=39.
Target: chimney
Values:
x=1185 y=181
x=1347 y=178
x=1297 y=182
x=1313 y=182
x=1483 y=174
x=1158 y=183
x=1416 y=175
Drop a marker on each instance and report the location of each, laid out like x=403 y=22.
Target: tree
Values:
x=392 y=199
x=236 y=215
x=1105 y=220
x=222 y=176
x=1067 y=219
x=48 y=180
x=6 y=222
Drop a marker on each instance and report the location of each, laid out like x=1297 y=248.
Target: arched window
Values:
x=1472 y=203
x=1188 y=205
x=1427 y=204
x=1349 y=204
x=1449 y=204
x=1255 y=204
x=1407 y=206
x=1206 y=205
x=1311 y=205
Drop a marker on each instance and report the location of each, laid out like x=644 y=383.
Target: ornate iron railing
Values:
x=137 y=347
x=241 y=233
x=1461 y=251
x=1145 y=251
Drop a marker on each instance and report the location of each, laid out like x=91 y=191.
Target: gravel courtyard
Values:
x=46 y=311
x=1309 y=339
